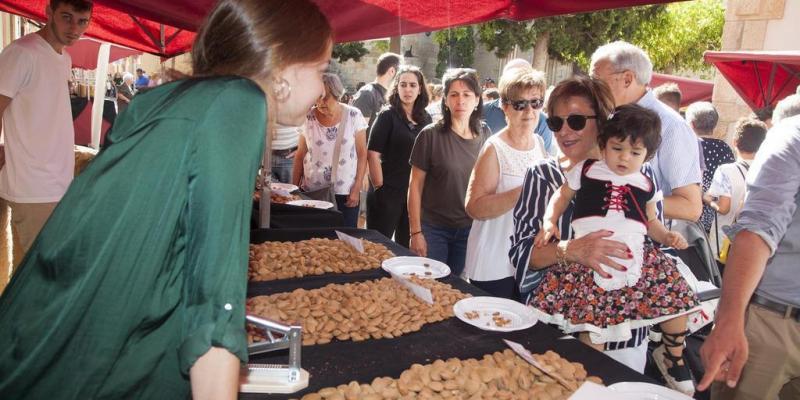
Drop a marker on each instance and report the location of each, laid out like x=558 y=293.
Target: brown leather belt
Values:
x=786 y=310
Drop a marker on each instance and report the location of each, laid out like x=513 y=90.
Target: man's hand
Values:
x=724 y=354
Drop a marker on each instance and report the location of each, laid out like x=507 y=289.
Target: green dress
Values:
x=143 y=265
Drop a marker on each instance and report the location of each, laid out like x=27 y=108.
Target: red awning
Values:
x=84 y=53
x=762 y=78
x=165 y=27
x=692 y=90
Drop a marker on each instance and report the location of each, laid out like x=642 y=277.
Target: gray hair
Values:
x=333 y=85
x=702 y=116
x=625 y=56
x=788 y=107
x=127 y=77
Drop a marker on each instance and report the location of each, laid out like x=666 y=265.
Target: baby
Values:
x=613 y=194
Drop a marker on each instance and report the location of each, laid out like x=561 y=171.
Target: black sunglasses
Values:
x=520 y=105
x=576 y=122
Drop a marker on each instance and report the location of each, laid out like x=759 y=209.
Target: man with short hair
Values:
x=372 y=96
x=670 y=94
x=142 y=80
x=37 y=119
x=754 y=349
x=627 y=70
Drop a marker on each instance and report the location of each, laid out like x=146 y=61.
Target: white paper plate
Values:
x=311 y=203
x=645 y=391
x=283 y=186
x=420 y=267
x=518 y=315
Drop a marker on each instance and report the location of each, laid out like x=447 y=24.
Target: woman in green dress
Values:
x=135 y=288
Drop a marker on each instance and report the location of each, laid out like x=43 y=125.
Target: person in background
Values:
x=753 y=352
x=489 y=83
x=142 y=79
x=371 y=97
x=441 y=161
x=390 y=141
x=490 y=95
x=496 y=182
x=313 y=160
x=627 y=70
x=146 y=299
x=38 y=159
x=125 y=92
x=670 y=94
x=788 y=107
x=728 y=186
x=702 y=117
x=155 y=80
x=496 y=120
x=764 y=115
x=434 y=107
x=284 y=146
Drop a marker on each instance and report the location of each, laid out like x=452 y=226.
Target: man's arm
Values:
x=685 y=203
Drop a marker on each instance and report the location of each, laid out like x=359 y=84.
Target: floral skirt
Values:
x=569 y=297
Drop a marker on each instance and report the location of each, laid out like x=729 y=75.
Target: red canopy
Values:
x=84 y=53
x=762 y=78
x=692 y=90
x=165 y=27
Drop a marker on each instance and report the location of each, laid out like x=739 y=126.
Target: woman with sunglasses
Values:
x=441 y=160
x=578 y=108
x=390 y=141
x=496 y=181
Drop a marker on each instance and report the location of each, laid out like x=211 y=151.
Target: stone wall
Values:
x=752 y=25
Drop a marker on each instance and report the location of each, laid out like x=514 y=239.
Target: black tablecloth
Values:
x=341 y=362
x=288 y=216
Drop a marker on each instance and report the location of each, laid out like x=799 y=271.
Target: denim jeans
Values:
x=282 y=169
x=448 y=245
x=350 y=214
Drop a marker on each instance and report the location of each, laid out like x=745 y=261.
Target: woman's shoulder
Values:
x=352 y=111
x=547 y=169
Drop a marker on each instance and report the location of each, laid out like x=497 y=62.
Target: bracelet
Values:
x=414 y=233
x=561 y=252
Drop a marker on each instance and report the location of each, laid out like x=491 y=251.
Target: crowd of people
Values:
x=562 y=199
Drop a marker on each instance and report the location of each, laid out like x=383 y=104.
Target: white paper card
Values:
x=527 y=356
x=352 y=241
x=592 y=391
x=422 y=292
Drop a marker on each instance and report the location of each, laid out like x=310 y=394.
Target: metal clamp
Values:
x=291 y=337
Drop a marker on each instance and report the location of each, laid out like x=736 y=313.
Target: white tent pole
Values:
x=100 y=77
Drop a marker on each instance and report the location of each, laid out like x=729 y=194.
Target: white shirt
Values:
x=37 y=124
x=488 y=243
x=321 y=140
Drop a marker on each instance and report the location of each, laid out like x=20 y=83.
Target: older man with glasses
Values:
x=627 y=70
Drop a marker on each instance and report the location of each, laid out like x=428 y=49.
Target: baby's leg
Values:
x=584 y=337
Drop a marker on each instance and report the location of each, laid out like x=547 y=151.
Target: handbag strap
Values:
x=337 y=148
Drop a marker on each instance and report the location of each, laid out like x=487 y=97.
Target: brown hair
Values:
x=470 y=78
x=518 y=80
x=635 y=122
x=251 y=38
x=595 y=91
x=77 y=5
x=386 y=61
x=750 y=133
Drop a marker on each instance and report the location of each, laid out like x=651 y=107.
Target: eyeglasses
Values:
x=576 y=122
x=521 y=105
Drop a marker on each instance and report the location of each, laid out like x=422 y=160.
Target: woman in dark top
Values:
x=441 y=162
x=390 y=141
x=703 y=117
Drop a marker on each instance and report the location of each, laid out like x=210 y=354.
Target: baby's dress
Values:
x=607 y=201
x=574 y=298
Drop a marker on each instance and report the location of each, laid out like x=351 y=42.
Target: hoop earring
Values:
x=281 y=89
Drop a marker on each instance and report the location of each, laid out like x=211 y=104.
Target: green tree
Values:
x=500 y=36
x=349 y=51
x=676 y=39
x=456 y=48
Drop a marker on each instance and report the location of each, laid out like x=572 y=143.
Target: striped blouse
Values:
x=541 y=182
